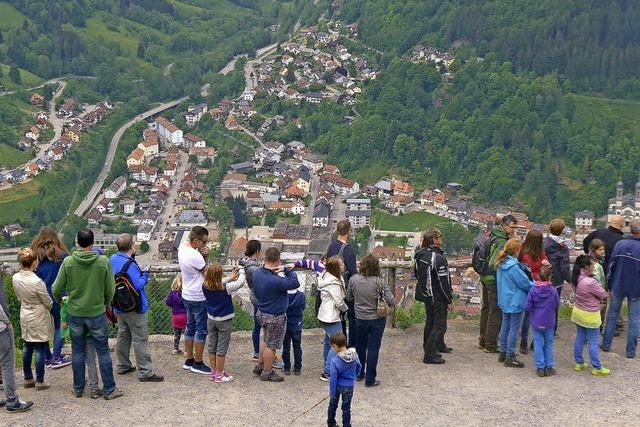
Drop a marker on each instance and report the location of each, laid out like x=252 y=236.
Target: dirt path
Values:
x=471 y=389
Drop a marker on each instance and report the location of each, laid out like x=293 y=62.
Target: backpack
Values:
x=482 y=254
x=126 y=298
x=422 y=271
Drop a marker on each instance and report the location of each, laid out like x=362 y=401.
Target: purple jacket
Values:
x=174 y=300
x=542 y=302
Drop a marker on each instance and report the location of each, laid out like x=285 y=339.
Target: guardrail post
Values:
x=392 y=288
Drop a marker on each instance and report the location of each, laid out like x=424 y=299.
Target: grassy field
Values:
x=96 y=28
x=590 y=109
x=10 y=18
x=28 y=79
x=415 y=221
x=15 y=202
x=11 y=157
x=394 y=240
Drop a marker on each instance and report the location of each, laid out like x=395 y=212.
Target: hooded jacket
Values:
x=250 y=265
x=624 y=272
x=295 y=311
x=36 y=322
x=345 y=367
x=542 y=302
x=558 y=256
x=588 y=293
x=498 y=239
x=87 y=279
x=332 y=293
x=513 y=286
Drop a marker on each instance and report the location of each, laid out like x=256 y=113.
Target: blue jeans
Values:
x=591 y=336
x=40 y=349
x=255 y=334
x=615 y=304
x=98 y=328
x=368 y=346
x=346 y=393
x=327 y=351
x=509 y=332
x=292 y=339
x=58 y=341
x=196 y=321
x=524 y=331
x=543 y=348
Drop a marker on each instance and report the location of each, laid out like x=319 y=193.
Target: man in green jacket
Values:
x=490 y=314
x=87 y=280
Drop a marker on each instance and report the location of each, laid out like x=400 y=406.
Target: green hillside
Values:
x=28 y=79
x=10 y=17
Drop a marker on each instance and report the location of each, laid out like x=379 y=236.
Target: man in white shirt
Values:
x=191 y=258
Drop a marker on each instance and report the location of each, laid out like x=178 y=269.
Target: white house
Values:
x=116 y=188
x=195 y=113
x=168 y=132
x=144 y=233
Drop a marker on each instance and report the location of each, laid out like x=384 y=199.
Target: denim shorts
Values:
x=196 y=321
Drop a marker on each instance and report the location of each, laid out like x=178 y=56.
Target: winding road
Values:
x=97 y=187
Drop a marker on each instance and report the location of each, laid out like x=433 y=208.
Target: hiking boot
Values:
x=258 y=369
x=188 y=363
x=271 y=376
x=601 y=372
x=96 y=394
x=502 y=357
x=155 y=378
x=200 y=368
x=29 y=383
x=540 y=372
x=41 y=386
x=579 y=367
x=523 y=348
x=513 y=362
x=481 y=345
x=114 y=395
x=19 y=406
x=286 y=371
x=446 y=349
x=296 y=371
x=549 y=372
x=433 y=360
x=324 y=377
x=376 y=383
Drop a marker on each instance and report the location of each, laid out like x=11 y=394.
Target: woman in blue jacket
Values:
x=513 y=286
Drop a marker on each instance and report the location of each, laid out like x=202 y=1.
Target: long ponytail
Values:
x=512 y=247
x=582 y=262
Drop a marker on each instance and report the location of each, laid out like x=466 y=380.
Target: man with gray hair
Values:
x=624 y=282
x=133 y=324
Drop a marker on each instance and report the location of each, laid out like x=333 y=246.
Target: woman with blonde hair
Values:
x=513 y=286
x=36 y=323
x=51 y=250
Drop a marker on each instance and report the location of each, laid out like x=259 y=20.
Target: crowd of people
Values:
x=75 y=294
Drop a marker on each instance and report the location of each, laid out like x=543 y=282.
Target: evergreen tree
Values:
x=14 y=74
x=141 y=50
x=1 y=37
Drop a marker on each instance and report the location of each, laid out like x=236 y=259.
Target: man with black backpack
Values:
x=484 y=257
x=434 y=290
x=130 y=305
x=343 y=249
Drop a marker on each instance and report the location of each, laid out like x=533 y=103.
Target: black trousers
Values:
x=434 y=328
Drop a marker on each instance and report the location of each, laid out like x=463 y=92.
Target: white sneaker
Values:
x=225 y=378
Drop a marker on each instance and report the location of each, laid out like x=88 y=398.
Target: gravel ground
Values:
x=471 y=389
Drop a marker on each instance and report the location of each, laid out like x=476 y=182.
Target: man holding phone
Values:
x=270 y=289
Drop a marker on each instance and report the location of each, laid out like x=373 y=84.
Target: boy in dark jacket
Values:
x=345 y=367
x=542 y=303
x=558 y=256
x=293 y=334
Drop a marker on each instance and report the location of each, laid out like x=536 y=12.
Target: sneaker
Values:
x=114 y=395
x=481 y=346
x=376 y=383
x=278 y=365
x=41 y=386
x=513 y=362
x=433 y=360
x=96 y=394
x=48 y=363
x=446 y=350
x=286 y=371
x=579 y=367
x=188 y=364
x=127 y=371
x=601 y=372
x=257 y=370
x=177 y=351
x=271 y=376
x=19 y=406
x=549 y=372
x=61 y=362
x=502 y=357
x=224 y=378
x=200 y=368
x=324 y=377
x=540 y=372
x=296 y=371
x=256 y=356
x=29 y=383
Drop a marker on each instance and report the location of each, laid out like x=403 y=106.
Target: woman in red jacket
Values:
x=533 y=256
